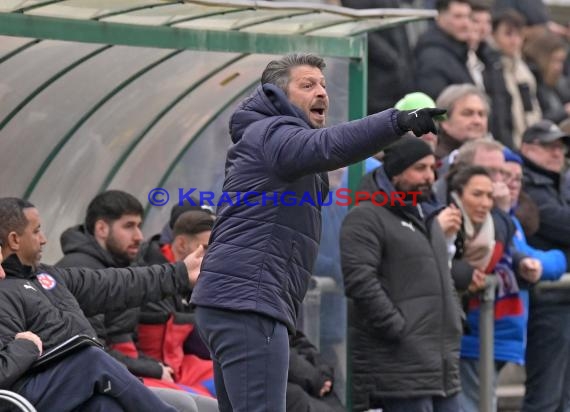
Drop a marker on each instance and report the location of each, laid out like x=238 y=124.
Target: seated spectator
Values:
x=166 y=329
x=89 y=379
x=310 y=381
x=520 y=81
x=546 y=55
x=109 y=238
x=156 y=250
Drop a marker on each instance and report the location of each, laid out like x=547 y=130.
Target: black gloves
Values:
x=419 y=121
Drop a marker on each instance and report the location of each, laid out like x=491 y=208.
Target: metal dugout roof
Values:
x=136 y=94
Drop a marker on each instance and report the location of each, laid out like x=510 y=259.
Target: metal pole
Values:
x=486 y=349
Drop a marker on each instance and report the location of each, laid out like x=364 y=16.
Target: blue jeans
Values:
x=251 y=359
x=548 y=360
x=422 y=404
x=89 y=380
x=469 y=396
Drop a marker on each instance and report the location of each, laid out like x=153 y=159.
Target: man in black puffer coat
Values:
x=266 y=235
x=405 y=323
x=441 y=53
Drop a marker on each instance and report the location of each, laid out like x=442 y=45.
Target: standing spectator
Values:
x=548 y=351
x=486 y=68
x=510 y=321
x=390 y=60
x=535 y=12
x=467 y=117
x=520 y=82
x=546 y=55
x=554 y=260
x=261 y=255
x=406 y=326
x=441 y=53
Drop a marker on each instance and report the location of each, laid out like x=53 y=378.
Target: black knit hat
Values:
x=404 y=153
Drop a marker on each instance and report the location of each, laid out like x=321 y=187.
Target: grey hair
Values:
x=451 y=94
x=467 y=151
x=277 y=71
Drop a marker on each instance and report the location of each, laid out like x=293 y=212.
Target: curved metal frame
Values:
x=17 y=400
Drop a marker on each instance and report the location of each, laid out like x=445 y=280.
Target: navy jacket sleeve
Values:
x=292 y=150
x=361 y=239
x=16 y=357
x=115 y=289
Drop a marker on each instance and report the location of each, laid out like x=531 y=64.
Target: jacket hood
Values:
x=266 y=101
x=78 y=240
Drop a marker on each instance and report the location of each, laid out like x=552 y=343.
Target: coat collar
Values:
x=14 y=268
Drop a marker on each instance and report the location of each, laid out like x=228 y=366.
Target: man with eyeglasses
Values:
x=544 y=147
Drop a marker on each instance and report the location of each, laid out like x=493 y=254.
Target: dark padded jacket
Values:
x=405 y=325
x=544 y=187
x=46 y=301
x=260 y=258
x=113 y=327
x=440 y=62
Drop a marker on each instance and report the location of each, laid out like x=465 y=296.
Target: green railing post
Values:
x=357 y=102
x=486 y=345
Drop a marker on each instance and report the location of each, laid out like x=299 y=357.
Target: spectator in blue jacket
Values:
x=553 y=260
x=261 y=254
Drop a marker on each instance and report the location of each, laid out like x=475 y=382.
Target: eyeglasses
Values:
x=512 y=178
x=494 y=172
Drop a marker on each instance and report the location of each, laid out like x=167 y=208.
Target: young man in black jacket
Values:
x=44 y=300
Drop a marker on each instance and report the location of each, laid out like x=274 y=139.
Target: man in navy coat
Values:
x=265 y=239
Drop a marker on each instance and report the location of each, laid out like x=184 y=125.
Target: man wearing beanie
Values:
x=405 y=322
